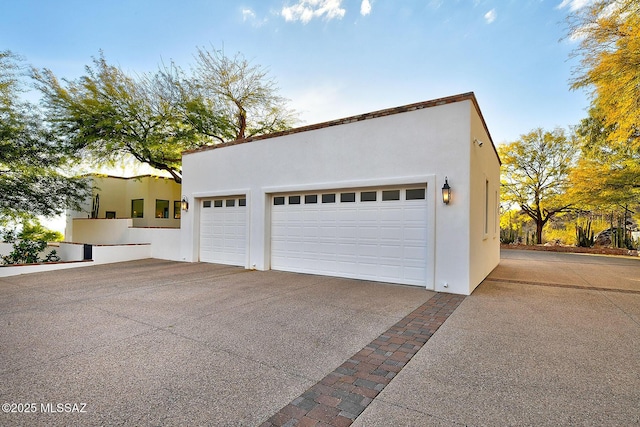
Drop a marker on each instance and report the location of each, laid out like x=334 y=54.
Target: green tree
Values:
x=107 y=114
x=535 y=174
x=240 y=94
x=609 y=47
x=32 y=158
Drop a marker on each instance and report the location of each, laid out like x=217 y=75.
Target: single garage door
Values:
x=372 y=234
x=223 y=232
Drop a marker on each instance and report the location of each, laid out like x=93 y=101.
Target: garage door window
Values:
x=347 y=197
x=206 y=204
x=294 y=200
x=368 y=196
x=415 y=194
x=278 y=200
x=329 y=198
x=311 y=198
x=217 y=203
x=230 y=202
x=388 y=195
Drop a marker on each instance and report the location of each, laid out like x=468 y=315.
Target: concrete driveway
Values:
x=540 y=342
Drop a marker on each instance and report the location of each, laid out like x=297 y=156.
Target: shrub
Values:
x=26 y=251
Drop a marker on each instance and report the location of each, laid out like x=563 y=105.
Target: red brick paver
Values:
x=340 y=397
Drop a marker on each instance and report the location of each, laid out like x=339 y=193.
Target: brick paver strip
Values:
x=340 y=397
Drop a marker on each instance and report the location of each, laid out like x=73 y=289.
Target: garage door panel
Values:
x=382 y=240
x=223 y=231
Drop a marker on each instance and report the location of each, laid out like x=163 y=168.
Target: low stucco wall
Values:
x=16 y=270
x=73 y=253
x=165 y=242
x=102 y=231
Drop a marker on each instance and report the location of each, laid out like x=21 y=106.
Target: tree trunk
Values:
x=539 y=226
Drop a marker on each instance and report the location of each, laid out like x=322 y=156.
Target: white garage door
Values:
x=372 y=234
x=223 y=230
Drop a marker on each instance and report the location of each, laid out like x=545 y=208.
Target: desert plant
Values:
x=508 y=235
x=26 y=251
x=584 y=235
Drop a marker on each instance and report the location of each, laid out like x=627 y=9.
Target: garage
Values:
x=406 y=195
x=375 y=234
x=223 y=230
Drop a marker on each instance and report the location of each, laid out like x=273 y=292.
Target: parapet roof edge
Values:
x=468 y=96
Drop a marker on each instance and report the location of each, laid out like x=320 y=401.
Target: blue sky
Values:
x=331 y=58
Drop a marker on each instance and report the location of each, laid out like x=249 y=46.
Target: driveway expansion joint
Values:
x=561 y=285
x=341 y=396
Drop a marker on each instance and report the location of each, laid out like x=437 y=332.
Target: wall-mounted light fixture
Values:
x=446 y=192
x=184 y=204
x=477 y=141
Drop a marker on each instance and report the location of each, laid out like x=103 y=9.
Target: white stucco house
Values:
x=360 y=197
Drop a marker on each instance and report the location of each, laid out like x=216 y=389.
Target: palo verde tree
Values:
x=535 y=174
x=32 y=158
x=606 y=175
x=608 y=32
x=107 y=114
x=241 y=93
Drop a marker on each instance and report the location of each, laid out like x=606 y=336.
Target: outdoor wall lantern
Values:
x=446 y=192
x=185 y=203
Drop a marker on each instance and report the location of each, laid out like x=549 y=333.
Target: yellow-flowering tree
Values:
x=535 y=172
x=609 y=47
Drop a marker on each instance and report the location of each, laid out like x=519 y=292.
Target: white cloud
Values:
x=306 y=10
x=248 y=15
x=490 y=16
x=573 y=4
x=365 y=8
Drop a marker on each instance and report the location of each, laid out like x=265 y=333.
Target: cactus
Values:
x=584 y=235
x=508 y=235
x=95 y=206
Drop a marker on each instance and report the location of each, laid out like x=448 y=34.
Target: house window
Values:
x=162 y=208
x=486 y=207
x=311 y=198
x=110 y=215
x=137 y=208
x=176 y=209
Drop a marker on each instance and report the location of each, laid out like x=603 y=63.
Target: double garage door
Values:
x=373 y=234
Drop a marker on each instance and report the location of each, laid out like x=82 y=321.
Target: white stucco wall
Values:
x=421 y=146
x=484 y=166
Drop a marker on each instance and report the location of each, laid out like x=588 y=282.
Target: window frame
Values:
x=141 y=213
x=165 y=210
x=177 y=209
